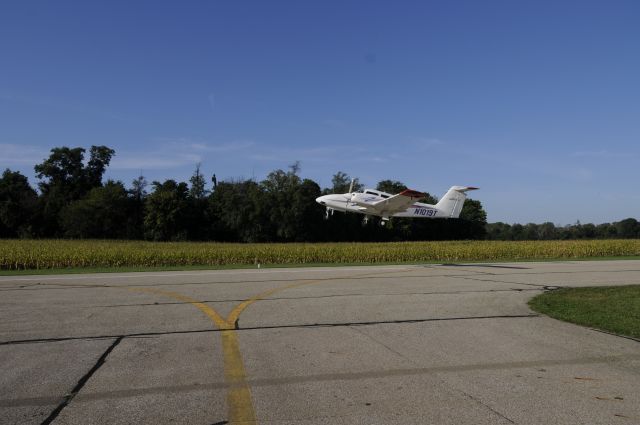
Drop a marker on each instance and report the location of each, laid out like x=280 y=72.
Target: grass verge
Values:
x=614 y=309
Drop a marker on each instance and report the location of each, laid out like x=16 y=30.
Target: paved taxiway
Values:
x=435 y=344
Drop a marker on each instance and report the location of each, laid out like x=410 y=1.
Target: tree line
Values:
x=625 y=229
x=72 y=201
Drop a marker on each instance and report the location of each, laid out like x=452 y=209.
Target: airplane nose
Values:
x=321 y=200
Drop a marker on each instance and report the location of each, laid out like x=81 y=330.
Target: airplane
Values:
x=372 y=202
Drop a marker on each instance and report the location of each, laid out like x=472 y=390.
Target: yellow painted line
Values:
x=235 y=313
x=239 y=403
x=213 y=315
x=239 y=400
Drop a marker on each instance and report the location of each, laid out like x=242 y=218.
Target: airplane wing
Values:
x=396 y=203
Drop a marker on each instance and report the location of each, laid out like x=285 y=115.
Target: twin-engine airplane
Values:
x=373 y=202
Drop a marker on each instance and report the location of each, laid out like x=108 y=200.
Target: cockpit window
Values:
x=384 y=196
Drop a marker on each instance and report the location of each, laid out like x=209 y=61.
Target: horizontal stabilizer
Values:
x=464 y=188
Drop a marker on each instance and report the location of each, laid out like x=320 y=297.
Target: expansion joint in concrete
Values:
x=67 y=399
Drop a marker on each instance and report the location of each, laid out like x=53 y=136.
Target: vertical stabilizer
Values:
x=451 y=203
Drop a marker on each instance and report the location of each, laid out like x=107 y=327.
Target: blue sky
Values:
x=537 y=103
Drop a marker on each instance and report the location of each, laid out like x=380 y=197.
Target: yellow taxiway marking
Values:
x=213 y=315
x=239 y=401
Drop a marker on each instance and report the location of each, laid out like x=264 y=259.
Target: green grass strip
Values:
x=615 y=309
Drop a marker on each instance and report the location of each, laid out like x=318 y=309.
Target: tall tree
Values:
x=65 y=178
x=137 y=195
x=198 y=183
x=99 y=159
x=307 y=220
x=17 y=205
x=65 y=172
x=138 y=188
x=198 y=217
x=279 y=188
x=166 y=211
x=341 y=183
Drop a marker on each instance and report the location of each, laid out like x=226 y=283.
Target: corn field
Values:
x=56 y=254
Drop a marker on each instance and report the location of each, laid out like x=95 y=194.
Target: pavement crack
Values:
x=495 y=266
x=502 y=281
x=67 y=399
x=385 y=322
x=89 y=285
x=252 y=328
x=155 y=304
x=98 y=337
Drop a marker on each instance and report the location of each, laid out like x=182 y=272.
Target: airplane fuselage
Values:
x=353 y=202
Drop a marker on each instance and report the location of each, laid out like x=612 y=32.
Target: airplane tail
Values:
x=451 y=203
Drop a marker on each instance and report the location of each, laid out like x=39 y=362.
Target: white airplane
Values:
x=373 y=202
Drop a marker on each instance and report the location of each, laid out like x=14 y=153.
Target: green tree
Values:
x=139 y=188
x=166 y=211
x=103 y=213
x=279 y=188
x=65 y=172
x=606 y=231
x=531 y=231
x=307 y=223
x=341 y=183
x=198 y=183
x=517 y=232
x=391 y=186
x=18 y=203
x=547 y=231
x=470 y=225
x=137 y=195
x=99 y=159
x=237 y=211
x=499 y=231
x=628 y=228
x=199 y=221
x=65 y=178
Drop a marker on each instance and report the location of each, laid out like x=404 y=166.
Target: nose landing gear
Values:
x=328 y=213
